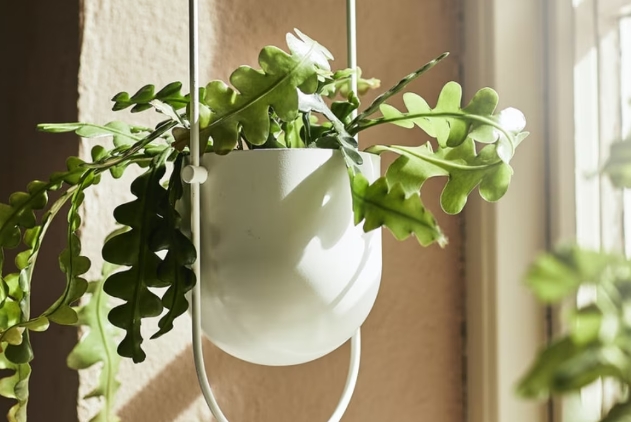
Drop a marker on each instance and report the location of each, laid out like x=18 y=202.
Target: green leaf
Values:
x=171 y=94
x=121 y=131
x=538 y=381
x=380 y=205
x=555 y=276
x=452 y=125
x=290 y=137
x=621 y=412
x=347 y=144
x=15 y=387
x=276 y=85
x=132 y=249
x=340 y=83
x=174 y=270
x=98 y=346
x=465 y=170
x=618 y=166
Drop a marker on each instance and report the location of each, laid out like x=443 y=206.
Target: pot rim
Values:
x=287 y=150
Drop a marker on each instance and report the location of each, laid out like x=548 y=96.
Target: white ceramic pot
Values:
x=286 y=276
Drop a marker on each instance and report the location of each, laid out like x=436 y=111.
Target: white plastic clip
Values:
x=194 y=174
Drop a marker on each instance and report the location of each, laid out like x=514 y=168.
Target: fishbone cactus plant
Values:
x=280 y=105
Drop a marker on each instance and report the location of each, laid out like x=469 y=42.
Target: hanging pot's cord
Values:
x=194 y=174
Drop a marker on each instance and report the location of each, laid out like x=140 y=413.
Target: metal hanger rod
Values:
x=195 y=175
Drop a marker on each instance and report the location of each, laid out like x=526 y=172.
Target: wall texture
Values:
x=412 y=343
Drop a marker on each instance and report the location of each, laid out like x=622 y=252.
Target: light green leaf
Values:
x=380 y=205
x=246 y=107
x=464 y=168
x=15 y=387
x=554 y=276
x=121 y=131
x=618 y=165
x=98 y=346
x=452 y=125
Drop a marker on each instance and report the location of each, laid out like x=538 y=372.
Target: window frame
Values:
x=518 y=48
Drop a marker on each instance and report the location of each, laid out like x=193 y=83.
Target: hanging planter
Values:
x=286 y=275
x=290 y=248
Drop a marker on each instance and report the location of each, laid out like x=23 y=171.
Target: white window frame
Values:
x=518 y=48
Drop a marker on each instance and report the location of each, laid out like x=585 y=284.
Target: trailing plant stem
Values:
x=443 y=163
x=110 y=162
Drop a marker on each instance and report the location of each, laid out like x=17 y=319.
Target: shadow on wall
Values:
x=39 y=44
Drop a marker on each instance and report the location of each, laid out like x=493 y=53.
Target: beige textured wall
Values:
x=412 y=362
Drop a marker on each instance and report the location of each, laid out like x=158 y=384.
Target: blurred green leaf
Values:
x=618 y=165
x=555 y=276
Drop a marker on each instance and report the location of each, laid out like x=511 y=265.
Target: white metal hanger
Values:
x=194 y=174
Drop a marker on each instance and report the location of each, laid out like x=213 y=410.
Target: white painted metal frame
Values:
x=194 y=174
x=504 y=49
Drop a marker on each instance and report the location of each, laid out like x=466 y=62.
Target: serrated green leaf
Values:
x=618 y=165
x=276 y=85
x=464 y=169
x=380 y=205
x=452 y=125
x=132 y=249
x=98 y=346
x=174 y=270
x=15 y=386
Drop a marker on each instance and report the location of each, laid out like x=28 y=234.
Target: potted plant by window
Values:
x=290 y=210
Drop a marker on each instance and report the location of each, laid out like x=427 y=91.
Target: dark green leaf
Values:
x=132 y=249
x=175 y=269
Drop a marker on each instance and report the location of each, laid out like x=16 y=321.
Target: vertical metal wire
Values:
x=351 y=43
x=198 y=352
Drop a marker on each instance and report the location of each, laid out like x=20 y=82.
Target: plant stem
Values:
x=110 y=162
